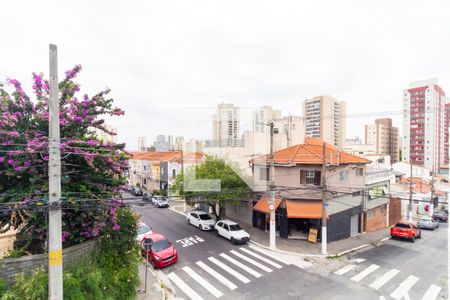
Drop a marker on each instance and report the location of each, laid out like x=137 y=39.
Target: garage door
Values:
x=354 y=225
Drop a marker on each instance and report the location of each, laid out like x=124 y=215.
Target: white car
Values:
x=231 y=231
x=142 y=230
x=200 y=219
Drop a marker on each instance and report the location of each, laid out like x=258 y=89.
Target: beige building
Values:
x=225 y=126
x=263 y=116
x=325 y=119
x=109 y=137
x=384 y=137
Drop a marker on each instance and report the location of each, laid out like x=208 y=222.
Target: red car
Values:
x=406 y=231
x=161 y=251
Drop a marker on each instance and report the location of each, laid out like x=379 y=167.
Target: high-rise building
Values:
x=179 y=142
x=384 y=137
x=225 y=126
x=170 y=142
x=263 y=116
x=161 y=143
x=325 y=119
x=423 y=124
x=142 y=144
x=446 y=132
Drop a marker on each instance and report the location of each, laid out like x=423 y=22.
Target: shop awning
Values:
x=263 y=206
x=304 y=209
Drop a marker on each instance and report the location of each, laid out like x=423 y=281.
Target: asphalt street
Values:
x=201 y=272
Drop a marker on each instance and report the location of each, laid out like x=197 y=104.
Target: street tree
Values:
x=92 y=170
x=232 y=188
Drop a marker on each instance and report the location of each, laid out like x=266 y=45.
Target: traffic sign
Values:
x=271 y=207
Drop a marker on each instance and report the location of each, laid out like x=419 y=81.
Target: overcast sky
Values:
x=169 y=63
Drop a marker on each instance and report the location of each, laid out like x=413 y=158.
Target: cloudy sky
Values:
x=169 y=63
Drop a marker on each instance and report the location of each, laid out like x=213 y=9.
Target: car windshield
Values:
x=425 y=220
x=401 y=225
x=143 y=229
x=204 y=217
x=160 y=245
x=235 y=227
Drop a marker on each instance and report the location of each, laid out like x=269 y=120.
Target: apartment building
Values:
x=263 y=116
x=446 y=132
x=423 y=124
x=384 y=137
x=225 y=126
x=325 y=119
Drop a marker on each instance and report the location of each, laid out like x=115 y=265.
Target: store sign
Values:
x=312 y=237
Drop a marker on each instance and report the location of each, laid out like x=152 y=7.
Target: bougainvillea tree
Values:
x=92 y=171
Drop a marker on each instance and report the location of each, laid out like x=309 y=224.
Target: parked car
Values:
x=440 y=216
x=137 y=191
x=156 y=198
x=406 y=231
x=162 y=202
x=159 y=249
x=200 y=219
x=231 y=231
x=427 y=223
x=147 y=197
x=143 y=230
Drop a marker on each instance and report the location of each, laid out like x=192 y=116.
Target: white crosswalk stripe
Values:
x=266 y=252
x=359 y=260
x=229 y=270
x=380 y=281
x=253 y=262
x=404 y=287
x=365 y=272
x=216 y=275
x=208 y=286
x=344 y=270
x=261 y=258
x=184 y=287
x=240 y=265
x=432 y=292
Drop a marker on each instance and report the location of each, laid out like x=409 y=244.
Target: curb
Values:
x=161 y=282
x=320 y=255
x=178 y=212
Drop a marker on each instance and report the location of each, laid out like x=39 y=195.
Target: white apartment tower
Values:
x=325 y=119
x=225 y=126
x=263 y=116
x=423 y=124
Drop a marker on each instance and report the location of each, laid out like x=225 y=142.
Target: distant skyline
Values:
x=169 y=63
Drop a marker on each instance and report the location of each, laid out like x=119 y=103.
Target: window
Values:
x=343 y=175
x=174 y=173
x=264 y=173
x=370 y=214
x=145 y=168
x=310 y=175
x=359 y=172
x=144 y=181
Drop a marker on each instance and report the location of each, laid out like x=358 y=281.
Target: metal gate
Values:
x=354 y=224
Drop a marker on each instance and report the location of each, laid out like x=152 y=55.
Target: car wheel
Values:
x=199 y=226
x=413 y=239
x=217 y=233
x=233 y=241
x=188 y=221
x=153 y=264
x=420 y=235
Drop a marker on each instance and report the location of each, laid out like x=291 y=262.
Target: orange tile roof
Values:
x=167 y=156
x=311 y=153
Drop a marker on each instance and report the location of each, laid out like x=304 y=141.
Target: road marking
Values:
x=253 y=262
x=344 y=270
x=203 y=282
x=359 y=260
x=216 y=275
x=269 y=254
x=189 y=241
x=229 y=270
x=184 y=287
x=365 y=272
x=260 y=257
x=432 y=292
x=404 y=287
x=242 y=266
x=380 y=281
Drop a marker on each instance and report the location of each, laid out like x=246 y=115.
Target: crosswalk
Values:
x=391 y=283
x=217 y=275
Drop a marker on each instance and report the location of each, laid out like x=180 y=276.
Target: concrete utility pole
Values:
x=55 y=268
x=272 y=243
x=431 y=209
x=410 y=209
x=324 y=201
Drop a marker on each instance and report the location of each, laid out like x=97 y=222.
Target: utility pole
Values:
x=324 y=201
x=272 y=243
x=410 y=210
x=55 y=268
x=431 y=209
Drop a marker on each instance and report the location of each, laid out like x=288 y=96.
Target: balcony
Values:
x=378 y=175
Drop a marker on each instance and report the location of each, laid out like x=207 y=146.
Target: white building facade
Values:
x=225 y=126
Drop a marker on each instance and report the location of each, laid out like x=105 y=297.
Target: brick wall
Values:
x=376 y=218
x=9 y=267
x=395 y=211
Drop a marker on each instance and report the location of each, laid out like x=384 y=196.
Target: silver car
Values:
x=427 y=223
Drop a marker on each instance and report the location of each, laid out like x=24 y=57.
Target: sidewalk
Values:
x=303 y=247
x=154 y=289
